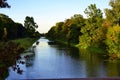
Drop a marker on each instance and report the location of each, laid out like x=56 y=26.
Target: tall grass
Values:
x=25 y=42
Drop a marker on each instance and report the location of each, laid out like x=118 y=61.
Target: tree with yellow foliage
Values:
x=113 y=40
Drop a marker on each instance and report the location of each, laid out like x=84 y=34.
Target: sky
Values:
x=47 y=12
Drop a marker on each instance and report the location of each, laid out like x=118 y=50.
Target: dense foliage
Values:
x=31 y=27
x=10 y=29
x=4 y=4
x=68 y=31
x=93 y=31
x=10 y=48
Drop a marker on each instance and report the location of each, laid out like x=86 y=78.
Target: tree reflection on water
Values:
x=26 y=60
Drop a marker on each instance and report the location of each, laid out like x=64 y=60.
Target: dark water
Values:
x=60 y=61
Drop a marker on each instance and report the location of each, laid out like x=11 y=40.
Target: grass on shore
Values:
x=25 y=42
x=95 y=49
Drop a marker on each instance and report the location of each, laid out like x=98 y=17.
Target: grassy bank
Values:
x=10 y=51
x=90 y=49
x=65 y=43
x=25 y=42
x=95 y=49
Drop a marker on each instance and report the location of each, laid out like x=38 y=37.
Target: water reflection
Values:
x=26 y=59
x=61 y=61
x=66 y=50
x=94 y=65
x=29 y=59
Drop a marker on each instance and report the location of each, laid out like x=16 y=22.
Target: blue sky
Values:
x=47 y=12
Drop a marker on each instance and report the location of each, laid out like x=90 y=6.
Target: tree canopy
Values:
x=10 y=29
x=4 y=4
x=113 y=14
x=30 y=25
x=93 y=31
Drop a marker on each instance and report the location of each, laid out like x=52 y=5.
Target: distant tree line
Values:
x=93 y=31
x=12 y=30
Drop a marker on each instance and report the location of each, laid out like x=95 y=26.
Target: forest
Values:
x=95 y=31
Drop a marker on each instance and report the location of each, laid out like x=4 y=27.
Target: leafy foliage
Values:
x=113 y=39
x=4 y=4
x=13 y=30
x=67 y=31
x=113 y=14
x=92 y=31
x=30 y=25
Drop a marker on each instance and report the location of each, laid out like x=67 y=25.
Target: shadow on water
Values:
x=66 y=49
x=26 y=60
x=95 y=64
x=29 y=59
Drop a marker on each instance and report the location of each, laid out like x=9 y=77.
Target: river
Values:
x=59 y=61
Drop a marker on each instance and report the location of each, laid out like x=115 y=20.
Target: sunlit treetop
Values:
x=4 y=4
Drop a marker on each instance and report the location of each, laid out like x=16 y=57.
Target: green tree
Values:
x=113 y=40
x=77 y=21
x=92 y=31
x=14 y=30
x=58 y=27
x=69 y=30
x=58 y=30
x=30 y=25
x=113 y=14
x=93 y=12
x=9 y=24
x=51 y=33
x=21 y=30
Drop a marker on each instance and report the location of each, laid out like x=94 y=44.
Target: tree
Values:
x=21 y=30
x=58 y=27
x=67 y=31
x=92 y=31
x=14 y=30
x=77 y=21
x=4 y=4
x=113 y=14
x=9 y=24
x=93 y=12
x=113 y=40
x=51 y=33
x=30 y=25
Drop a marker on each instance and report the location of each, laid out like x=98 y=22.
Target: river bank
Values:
x=91 y=49
x=94 y=50
x=10 y=52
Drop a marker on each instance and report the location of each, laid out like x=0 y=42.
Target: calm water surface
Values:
x=60 y=61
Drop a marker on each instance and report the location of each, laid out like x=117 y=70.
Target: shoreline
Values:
x=15 y=48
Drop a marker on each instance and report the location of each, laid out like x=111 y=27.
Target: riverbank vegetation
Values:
x=15 y=39
x=25 y=42
x=94 y=32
